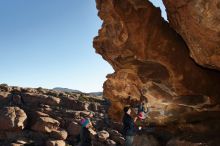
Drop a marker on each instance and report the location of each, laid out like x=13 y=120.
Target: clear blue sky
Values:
x=159 y=3
x=48 y=43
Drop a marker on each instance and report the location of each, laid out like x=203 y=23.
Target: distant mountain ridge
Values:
x=77 y=91
x=66 y=90
x=96 y=93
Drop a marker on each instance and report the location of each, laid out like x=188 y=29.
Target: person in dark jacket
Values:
x=85 y=138
x=129 y=129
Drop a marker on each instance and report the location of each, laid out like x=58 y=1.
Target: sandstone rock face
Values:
x=12 y=119
x=197 y=21
x=149 y=57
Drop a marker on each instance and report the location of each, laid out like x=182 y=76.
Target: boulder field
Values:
x=43 y=117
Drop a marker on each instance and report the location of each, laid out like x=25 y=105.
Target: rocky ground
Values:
x=52 y=118
x=48 y=117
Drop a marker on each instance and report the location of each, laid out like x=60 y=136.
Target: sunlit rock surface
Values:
x=198 y=22
x=149 y=56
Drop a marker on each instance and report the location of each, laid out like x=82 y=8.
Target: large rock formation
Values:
x=198 y=22
x=150 y=58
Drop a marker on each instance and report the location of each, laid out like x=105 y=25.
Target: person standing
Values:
x=129 y=128
x=85 y=138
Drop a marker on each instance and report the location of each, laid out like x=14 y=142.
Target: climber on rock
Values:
x=142 y=108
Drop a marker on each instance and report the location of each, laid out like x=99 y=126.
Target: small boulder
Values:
x=45 y=125
x=103 y=135
x=12 y=118
x=110 y=142
x=117 y=137
x=59 y=134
